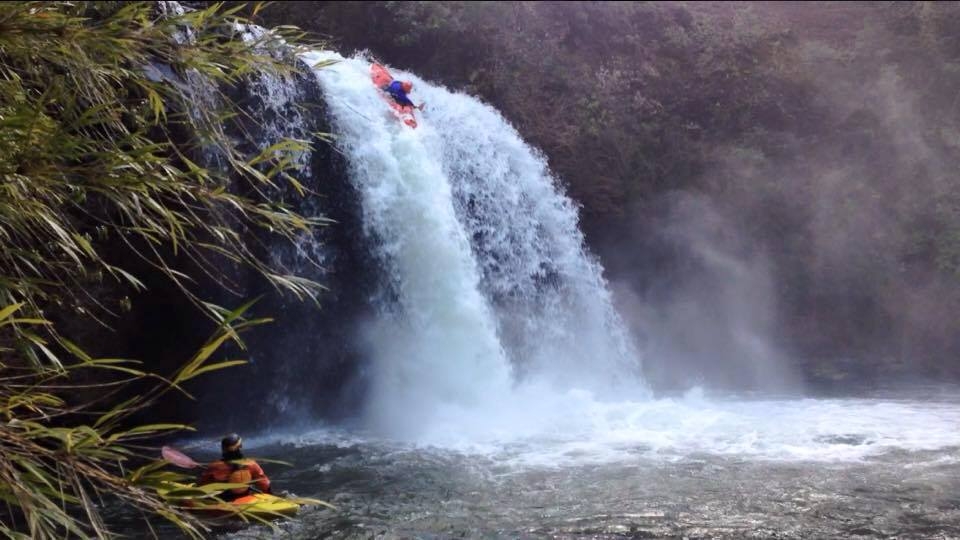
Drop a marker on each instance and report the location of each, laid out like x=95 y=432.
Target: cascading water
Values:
x=553 y=307
x=490 y=283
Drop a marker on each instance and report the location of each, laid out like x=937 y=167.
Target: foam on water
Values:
x=575 y=429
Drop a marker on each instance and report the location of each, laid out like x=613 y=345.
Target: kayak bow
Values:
x=381 y=79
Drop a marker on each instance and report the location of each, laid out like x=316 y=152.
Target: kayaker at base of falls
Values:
x=398 y=90
x=233 y=468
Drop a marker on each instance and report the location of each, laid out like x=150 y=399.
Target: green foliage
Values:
x=114 y=156
x=63 y=453
x=95 y=148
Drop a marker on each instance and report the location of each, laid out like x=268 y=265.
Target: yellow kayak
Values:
x=261 y=505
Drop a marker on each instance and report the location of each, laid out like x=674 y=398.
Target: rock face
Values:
x=307 y=339
x=304 y=362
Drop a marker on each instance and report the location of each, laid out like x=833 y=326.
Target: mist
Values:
x=711 y=320
x=818 y=248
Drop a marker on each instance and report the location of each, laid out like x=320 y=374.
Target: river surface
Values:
x=877 y=467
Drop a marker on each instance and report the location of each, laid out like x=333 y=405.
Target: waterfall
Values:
x=490 y=286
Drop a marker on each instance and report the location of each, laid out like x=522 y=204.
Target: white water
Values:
x=496 y=334
x=575 y=429
x=435 y=349
x=553 y=307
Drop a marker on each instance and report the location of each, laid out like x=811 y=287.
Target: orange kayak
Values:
x=381 y=79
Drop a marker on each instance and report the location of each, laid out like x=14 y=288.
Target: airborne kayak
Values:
x=381 y=79
x=261 y=505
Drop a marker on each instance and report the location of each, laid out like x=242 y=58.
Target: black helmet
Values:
x=231 y=443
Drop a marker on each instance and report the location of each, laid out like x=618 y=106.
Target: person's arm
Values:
x=402 y=99
x=207 y=476
x=257 y=474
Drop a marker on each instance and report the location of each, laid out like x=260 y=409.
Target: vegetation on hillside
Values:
x=114 y=156
x=825 y=133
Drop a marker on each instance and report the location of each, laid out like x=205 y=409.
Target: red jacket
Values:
x=242 y=471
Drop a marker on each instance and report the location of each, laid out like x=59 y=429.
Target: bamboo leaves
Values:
x=87 y=138
x=46 y=468
x=108 y=111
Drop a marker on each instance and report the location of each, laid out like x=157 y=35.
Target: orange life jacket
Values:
x=242 y=471
x=239 y=474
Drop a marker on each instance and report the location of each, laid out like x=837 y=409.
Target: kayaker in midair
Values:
x=233 y=468
x=398 y=90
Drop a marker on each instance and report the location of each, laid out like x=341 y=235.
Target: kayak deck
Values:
x=381 y=79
